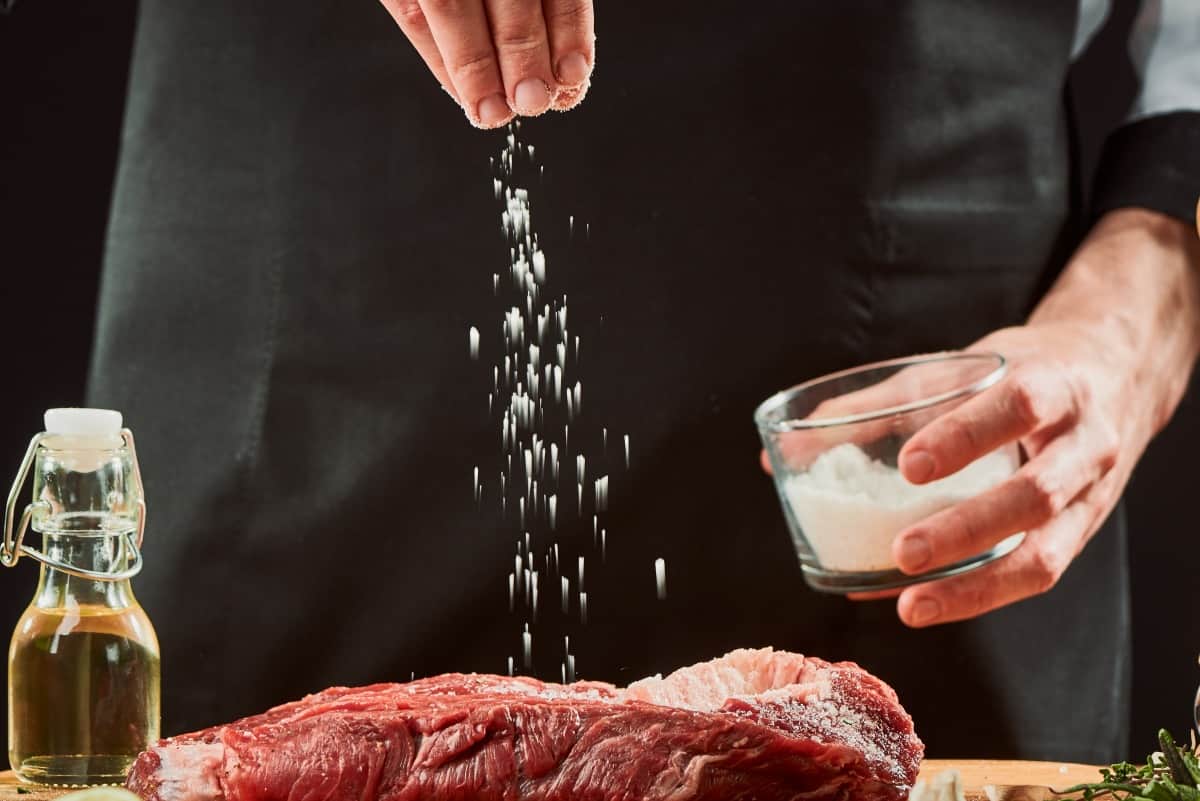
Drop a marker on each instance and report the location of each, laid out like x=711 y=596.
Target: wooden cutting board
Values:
x=976 y=775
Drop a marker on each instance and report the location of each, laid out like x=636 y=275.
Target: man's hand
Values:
x=1095 y=373
x=501 y=58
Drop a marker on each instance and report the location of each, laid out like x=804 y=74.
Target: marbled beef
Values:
x=758 y=725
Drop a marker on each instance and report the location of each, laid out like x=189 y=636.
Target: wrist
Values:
x=1133 y=290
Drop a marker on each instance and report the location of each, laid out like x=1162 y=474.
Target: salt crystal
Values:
x=660 y=578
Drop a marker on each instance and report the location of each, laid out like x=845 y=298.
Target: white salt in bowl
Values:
x=833 y=445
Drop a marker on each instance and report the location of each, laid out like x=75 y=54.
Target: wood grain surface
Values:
x=976 y=775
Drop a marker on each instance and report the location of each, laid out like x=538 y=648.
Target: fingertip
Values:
x=573 y=70
x=912 y=552
x=570 y=97
x=491 y=112
x=531 y=97
x=918 y=610
x=765 y=461
x=917 y=465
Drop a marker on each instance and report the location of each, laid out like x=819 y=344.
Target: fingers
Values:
x=1036 y=492
x=1031 y=569
x=570 y=25
x=523 y=48
x=460 y=30
x=411 y=20
x=1025 y=402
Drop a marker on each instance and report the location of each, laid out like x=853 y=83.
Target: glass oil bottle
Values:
x=83 y=663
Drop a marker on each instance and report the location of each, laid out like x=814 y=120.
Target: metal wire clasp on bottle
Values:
x=14 y=545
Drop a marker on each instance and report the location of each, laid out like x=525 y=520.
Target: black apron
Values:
x=304 y=228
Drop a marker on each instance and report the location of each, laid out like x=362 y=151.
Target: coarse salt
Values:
x=850 y=507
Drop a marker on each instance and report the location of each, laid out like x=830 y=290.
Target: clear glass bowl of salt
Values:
x=833 y=445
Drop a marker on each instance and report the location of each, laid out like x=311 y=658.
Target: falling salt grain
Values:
x=535 y=595
x=510 y=666
x=539 y=266
x=582 y=607
x=527 y=644
x=473 y=338
x=660 y=577
x=566 y=595
x=552 y=505
x=627 y=451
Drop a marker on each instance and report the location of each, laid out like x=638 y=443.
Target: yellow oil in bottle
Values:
x=83 y=692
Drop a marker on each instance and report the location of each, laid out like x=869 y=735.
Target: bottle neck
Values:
x=103 y=552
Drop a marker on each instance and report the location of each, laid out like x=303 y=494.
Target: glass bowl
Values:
x=833 y=445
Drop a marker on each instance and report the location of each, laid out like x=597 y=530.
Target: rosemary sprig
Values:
x=1170 y=774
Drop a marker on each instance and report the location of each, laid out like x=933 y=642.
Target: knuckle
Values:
x=1045 y=494
x=408 y=13
x=1108 y=447
x=571 y=14
x=964 y=535
x=519 y=36
x=471 y=67
x=443 y=7
x=1044 y=569
x=1024 y=398
x=962 y=435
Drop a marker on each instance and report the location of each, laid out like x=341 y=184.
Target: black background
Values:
x=63 y=68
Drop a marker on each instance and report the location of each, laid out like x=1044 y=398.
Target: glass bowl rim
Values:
x=973 y=388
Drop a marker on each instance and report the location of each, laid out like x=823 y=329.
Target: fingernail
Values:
x=917 y=466
x=925 y=611
x=493 y=111
x=531 y=97
x=913 y=553
x=572 y=69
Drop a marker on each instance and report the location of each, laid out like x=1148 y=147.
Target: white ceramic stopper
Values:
x=84 y=422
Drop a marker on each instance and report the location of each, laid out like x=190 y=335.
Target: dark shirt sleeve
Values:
x=1153 y=160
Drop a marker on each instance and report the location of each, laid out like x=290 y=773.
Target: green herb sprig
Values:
x=1172 y=774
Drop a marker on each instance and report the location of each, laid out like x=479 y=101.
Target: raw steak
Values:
x=760 y=725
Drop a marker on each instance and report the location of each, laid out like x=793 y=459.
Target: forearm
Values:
x=1133 y=287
